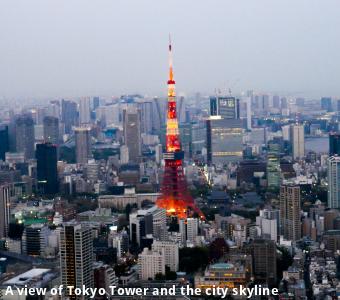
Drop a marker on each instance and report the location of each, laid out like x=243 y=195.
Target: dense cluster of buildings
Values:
x=80 y=180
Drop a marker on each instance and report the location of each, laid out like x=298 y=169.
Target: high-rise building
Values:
x=326 y=104
x=95 y=102
x=333 y=163
x=148 y=222
x=268 y=225
x=273 y=170
x=104 y=276
x=47 y=173
x=24 y=128
x=334 y=143
x=83 y=144
x=225 y=106
x=213 y=106
x=51 y=130
x=35 y=239
x=290 y=207
x=76 y=256
x=297 y=136
x=171 y=253
x=147 y=115
x=150 y=263
x=224 y=141
x=4 y=138
x=69 y=115
x=84 y=111
x=300 y=102
x=6 y=191
x=192 y=230
x=276 y=101
x=132 y=133
x=224 y=131
x=264 y=261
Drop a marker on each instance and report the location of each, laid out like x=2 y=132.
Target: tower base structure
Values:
x=175 y=197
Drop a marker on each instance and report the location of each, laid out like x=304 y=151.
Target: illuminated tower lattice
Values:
x=175 y=197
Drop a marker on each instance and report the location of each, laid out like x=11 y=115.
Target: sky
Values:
x=68 y=48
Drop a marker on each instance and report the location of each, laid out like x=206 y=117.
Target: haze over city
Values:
x=173 y=148
x=83 y=47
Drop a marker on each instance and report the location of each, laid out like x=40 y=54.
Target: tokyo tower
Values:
x=175 y=197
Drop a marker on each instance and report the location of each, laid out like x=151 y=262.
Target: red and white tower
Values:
x=175 y=197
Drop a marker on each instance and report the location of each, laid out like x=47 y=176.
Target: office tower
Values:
x=47 y=173
x=264 y=261
x=4 y=138
x=333 y=164
x=24 y=128
x=183 y=231
x=265 y=102
x=69 y=115
x=124 y=155
x=329 y=219
x=76 y=252
x=171 y=253
x=39 y=133
x=95 y=102
x=158 y=153
x=148 y=222
x=224 y=141
x=84 y=111
x=248 y=112
x=6 y=191
x=198 y=138
x=224 y=131
x=269 y=221
x=273 y=170
x=276 y=101
x=225 y=106
x=132 y=133
x=147 y=115
x=51 y=130
x=284 y=103
x=120 y=241
x=300 y=102
x=290 y=206
x=326 y=104
x=159 y=230
x=53 y=109
x=92 y=171
x=297 y=137
x=192 y=230
x=35 y=239
x=150 y=263
x=83 y=144
x=213 y=106
x=334 y=143
x=186 y=139
x=175 y=197
x=286 y=132
x=104 y=276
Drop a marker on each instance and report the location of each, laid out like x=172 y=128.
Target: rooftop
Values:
x=27 y=277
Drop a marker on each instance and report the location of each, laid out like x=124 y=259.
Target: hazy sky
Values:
x=108 y=47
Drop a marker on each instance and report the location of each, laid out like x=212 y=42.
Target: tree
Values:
x=217 y=249
x=170 y=275
x=160 y=276
x=284 y=261
x=193 y=259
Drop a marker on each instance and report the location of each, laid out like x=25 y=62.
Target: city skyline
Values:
x=116 y=48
